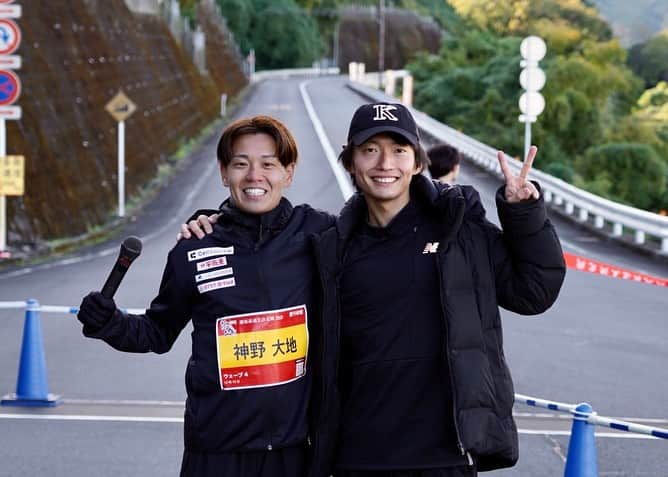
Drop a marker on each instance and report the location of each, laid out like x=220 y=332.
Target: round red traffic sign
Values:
x=10 y=36
x=10 y=88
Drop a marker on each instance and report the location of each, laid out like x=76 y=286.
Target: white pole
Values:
x=527 y=137
x=121 y=168
x=223 y=105
x=527 y=125
x=3 y=201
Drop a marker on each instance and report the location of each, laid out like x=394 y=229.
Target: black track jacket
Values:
x=248 y=264
x=481 y=268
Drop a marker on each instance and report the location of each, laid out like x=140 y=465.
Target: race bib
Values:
x=262 y=349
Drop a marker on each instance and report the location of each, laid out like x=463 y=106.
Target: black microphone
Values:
x=130 y=249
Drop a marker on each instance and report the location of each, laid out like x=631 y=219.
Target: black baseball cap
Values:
x=377 y=118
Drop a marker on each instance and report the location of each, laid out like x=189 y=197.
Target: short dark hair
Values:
x=443 y=159
x=286 y=146
x=421 y=158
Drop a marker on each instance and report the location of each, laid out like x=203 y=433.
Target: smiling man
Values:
x=249 y=290
x=413 y=276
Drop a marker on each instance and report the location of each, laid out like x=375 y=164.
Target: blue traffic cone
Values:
x=32 y=388
x=581 y=459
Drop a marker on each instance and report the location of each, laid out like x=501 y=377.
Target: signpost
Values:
x=12 y=168
x=121 y=107
x=532 y=79
x=12 y=175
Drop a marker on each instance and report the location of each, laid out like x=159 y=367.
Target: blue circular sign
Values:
x=10 y=88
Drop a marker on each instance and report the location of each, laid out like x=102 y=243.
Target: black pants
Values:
x=445 y=472
x=288 y=462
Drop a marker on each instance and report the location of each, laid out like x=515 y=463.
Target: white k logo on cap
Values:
x=384 y=112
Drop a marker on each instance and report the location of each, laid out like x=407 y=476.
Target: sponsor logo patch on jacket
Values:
x=213 y=263
x=215 y=285
x=201 y=253
x=223 y=272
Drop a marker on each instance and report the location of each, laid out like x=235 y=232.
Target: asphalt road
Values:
x=603 y=342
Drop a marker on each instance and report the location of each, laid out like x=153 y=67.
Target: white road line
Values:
x=339 y=172
x=549 y=415
x=125 y=402
x=613 y=435
x=74 y=417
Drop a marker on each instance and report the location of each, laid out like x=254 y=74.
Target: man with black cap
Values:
x=413 y=275
x=413 y=373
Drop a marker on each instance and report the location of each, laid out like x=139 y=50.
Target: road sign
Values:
x=120 y=107
x=10 y=37
x=10 y=11
x=10 y=88
x=12 y=175
x=10 y=62
x=5 y=2
x=10 y=112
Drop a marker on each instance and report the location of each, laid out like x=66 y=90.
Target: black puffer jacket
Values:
x=481 y=268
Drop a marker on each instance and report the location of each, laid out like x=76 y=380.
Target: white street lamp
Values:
x=532 y=80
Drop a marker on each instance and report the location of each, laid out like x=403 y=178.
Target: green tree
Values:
x=282 y=34
x=632 y=173
x=522 y=17
x=239 y=15
x=650 y=59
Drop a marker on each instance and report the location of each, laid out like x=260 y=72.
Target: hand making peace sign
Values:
x=518 y=188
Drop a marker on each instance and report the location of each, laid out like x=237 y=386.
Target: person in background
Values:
x=249 y=289
x=445 y=163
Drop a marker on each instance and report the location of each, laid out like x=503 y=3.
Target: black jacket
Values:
x=481 y=268
x=270 y=259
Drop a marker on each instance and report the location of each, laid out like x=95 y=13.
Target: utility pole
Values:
x=381 y=39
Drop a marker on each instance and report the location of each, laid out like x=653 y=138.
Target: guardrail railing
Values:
x=649 y=230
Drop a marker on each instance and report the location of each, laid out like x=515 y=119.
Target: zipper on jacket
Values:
x=259 y=238
x=462 y=450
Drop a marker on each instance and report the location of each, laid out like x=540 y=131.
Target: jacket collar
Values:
x=256 y=224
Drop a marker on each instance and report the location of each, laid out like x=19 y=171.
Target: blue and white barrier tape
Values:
x=592 y=418
x=73 y=310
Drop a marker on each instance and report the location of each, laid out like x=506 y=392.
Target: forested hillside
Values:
x=601 y=129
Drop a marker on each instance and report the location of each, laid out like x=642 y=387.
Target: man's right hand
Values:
x=95 y=312
x=200 y=227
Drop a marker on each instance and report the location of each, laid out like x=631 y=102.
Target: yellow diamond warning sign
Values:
x=121 y=107
x=12 y=173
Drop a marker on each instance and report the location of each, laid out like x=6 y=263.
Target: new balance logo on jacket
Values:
x=430 y=247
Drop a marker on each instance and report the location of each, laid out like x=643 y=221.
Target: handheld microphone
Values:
x=130 y=249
